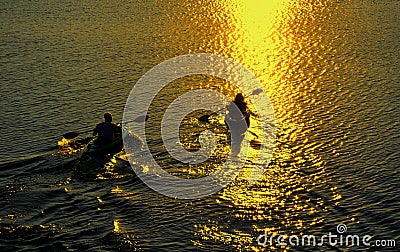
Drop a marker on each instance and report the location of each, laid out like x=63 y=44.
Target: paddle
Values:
x=72 y=135
x=205 y=118
x=142 y=118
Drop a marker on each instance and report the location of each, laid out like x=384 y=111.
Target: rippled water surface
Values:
x=330 y=68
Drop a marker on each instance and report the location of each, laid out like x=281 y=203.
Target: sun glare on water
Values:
x=264 y=37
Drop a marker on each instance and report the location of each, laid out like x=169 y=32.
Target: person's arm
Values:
x=95 y=131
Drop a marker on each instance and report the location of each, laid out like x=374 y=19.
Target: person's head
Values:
x=108 y=117
x=239 y=98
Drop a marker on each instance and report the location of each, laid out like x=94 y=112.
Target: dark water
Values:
x=331 y=69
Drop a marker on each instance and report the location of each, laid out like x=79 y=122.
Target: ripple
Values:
x=330 y=68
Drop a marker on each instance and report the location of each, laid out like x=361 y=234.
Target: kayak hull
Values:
x=92 y=148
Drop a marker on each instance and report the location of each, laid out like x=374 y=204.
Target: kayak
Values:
x=92 y=148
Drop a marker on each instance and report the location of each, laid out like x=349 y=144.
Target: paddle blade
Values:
x=141 y=118
x=257 y=91
x=70 y=135
x=204 y=118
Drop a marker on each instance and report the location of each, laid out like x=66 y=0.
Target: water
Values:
x=331 y=69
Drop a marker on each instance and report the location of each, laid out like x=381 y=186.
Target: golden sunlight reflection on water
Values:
x=330 y=68
x=270 y=38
